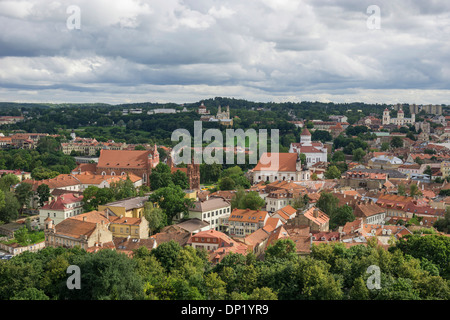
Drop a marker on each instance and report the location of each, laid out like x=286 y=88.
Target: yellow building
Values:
x=128 y=208
x=191 y=194
x=135 y=228
x=445 y=168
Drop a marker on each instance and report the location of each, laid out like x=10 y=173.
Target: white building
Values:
x=61 y=208
x=314 y=151
x=279 y=167
x=212 y=210
x=400 y=120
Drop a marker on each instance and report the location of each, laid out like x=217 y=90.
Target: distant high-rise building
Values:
x=429 y=109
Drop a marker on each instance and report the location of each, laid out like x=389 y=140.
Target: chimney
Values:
x=316 y=213
x=84 y=218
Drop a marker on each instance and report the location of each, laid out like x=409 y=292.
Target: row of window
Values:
x=127 y=230
x=66 y=242
x=215 y=213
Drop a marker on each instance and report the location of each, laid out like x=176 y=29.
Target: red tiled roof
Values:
x=62 y=201
x=305 y=132
x=284 y=162
x=321 y=217
x=123 y=158
x=247 y=215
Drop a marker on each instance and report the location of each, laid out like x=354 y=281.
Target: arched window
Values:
x=123 y=173
x=144 y=177
x=103 y=173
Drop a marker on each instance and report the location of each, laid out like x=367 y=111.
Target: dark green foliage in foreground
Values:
x=170 y=271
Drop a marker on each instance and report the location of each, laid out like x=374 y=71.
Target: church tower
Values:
x=386 y=117
x=305 y=137
x=400 y=117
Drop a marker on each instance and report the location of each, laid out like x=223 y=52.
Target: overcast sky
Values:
x=260 y=50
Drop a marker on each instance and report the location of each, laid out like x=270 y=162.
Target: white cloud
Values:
x=252 y=49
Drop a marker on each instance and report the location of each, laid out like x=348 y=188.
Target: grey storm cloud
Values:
x=258 y=49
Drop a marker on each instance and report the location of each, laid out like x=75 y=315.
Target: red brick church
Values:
x=138 y=162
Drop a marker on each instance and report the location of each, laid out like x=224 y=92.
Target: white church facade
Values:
x=287 y=166
x=314 y=151
x=400 y=120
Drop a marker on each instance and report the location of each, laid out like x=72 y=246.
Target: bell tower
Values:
x=386 y=117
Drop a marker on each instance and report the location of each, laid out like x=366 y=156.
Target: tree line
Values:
x=414 y=269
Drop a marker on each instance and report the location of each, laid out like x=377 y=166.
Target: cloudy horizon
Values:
x=129 y=51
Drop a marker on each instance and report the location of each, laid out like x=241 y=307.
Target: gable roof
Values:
x=62 y=201
x=321 y=216
x=367 y=210
x=212 y=203
x=75 y=228
x=247 y=215
x=305 y=132
x=123 y=159
x=283 y=162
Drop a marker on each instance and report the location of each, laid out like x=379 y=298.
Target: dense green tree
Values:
x=396 y=142
x=341 y=216
x=247 y=200
x=172 y=200
x=215 y=287
x=358 y=154
x=435 y=248
x=179 y=178
x=282 y=249
x=226 y=183
x=327 y=203
x=94 y=196
x=210 y=173
x=48 y=145
x=321 y=135
x=385 y=146
x=7 y=181
x=10 y=210
x=43 y=192
x=155 y=216
x=332 y=173
x=414 y=190
x=31 y=294
x=401 y=190
x=338 y=156
x=106 y=275
x=41 y=173
x=24 y=192
x=160 y=177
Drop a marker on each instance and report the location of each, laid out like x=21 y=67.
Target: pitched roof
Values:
x=123 y=158
x=305 y=132
x=286 y=212
x=272 y=224
x=367 y=209
x=321 y=217
x=210 y=204
x=247 y=215
x=127 y=245
x=125 y=220
x=92 y=217
x=256 y=238
x=223 y=239
x=62 y=201
x=75 y=228
x=174 y=233
x=284 y=162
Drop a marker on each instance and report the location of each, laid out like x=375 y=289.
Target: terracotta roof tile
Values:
x=283 y=162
